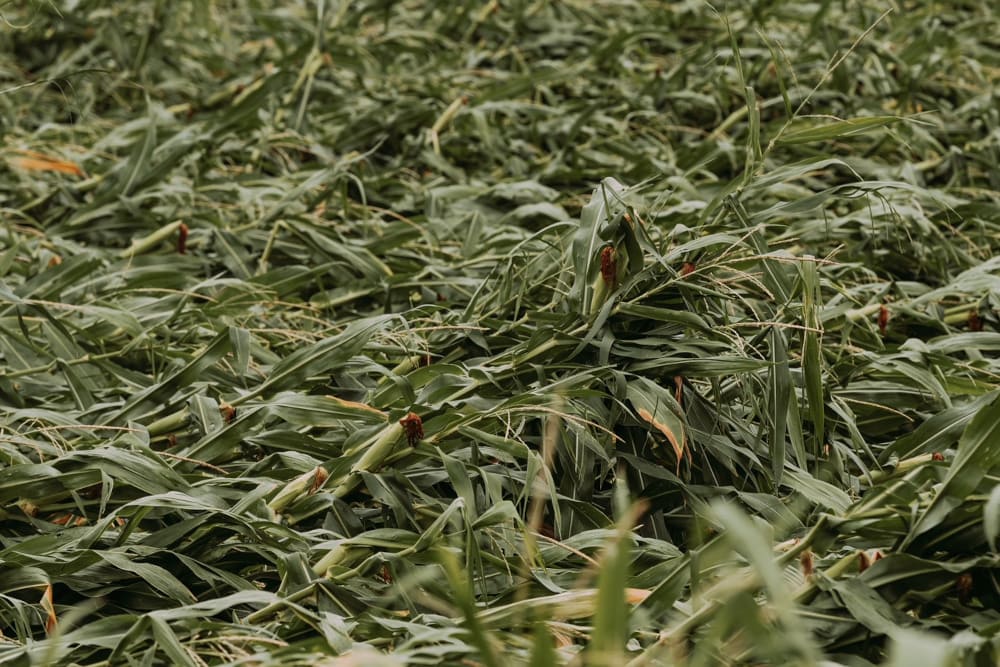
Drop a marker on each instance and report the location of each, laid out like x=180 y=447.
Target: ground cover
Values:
x=614 y=333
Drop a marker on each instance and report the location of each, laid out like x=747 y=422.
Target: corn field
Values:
x=516 y=332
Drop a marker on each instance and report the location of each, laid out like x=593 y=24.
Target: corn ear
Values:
x=305 y=484
x=376 y=450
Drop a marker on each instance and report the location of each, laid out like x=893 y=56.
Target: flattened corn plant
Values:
x=499 y=333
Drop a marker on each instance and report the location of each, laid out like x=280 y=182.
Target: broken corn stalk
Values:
x=567 y=606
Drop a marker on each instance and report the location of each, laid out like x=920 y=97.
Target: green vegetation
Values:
x=492 y=333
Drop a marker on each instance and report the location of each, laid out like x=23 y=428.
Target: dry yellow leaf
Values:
x=678 y=443
x=34 y=161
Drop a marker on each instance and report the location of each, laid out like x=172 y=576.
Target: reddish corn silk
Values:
x=609 y=266
x=413 y=426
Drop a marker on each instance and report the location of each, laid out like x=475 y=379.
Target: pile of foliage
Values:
x=527 y=332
